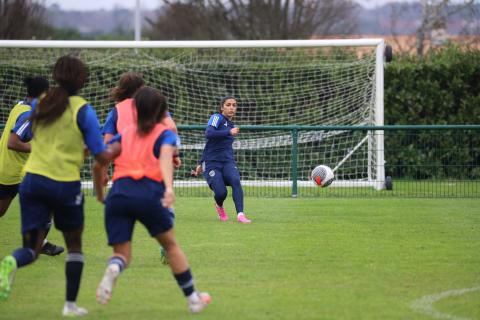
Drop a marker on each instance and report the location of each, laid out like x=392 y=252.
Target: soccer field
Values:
x=299 y=259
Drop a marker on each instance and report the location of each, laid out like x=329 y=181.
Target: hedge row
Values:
x=441 y=88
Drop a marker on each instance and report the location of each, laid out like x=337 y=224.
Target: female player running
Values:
x=123 y=114
x=14 y=150
x=143 y=190
x=62 y=124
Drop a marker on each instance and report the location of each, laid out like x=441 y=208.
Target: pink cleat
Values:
x=221 y=213
x=242 y=219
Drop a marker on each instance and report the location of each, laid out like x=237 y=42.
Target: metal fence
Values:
x=435 y=161
x=419 y=161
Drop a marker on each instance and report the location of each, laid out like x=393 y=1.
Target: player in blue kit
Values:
x=62 y=124
x=14 y=150
x=142 y=191
x=218 y=162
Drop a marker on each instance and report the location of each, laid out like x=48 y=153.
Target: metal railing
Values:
x=419 y=161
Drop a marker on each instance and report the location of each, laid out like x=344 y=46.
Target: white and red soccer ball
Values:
x=322 y=176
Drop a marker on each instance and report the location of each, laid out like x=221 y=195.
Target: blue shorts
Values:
x=8 y=191
x=121 y=213
x=226 y=172
x=42 y=197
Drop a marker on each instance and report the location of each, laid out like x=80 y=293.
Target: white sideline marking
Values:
x=425 y=303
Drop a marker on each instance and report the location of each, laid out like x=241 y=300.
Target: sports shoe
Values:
x=198 y=302
x=105 y=288
x=163 y=256
x=7 y=274
x=73 y=311
x=242 y=219
x=51 y=250
x=221 y=213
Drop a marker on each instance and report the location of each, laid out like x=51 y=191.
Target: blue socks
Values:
x=73 y=272
x=185 y=282
x=24 y=256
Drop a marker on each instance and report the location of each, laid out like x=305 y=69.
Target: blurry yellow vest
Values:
x=58 y=148
x=12 y=162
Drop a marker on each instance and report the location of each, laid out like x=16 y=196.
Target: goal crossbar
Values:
x=190 y=44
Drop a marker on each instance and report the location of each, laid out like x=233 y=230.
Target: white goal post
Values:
x=333 y=82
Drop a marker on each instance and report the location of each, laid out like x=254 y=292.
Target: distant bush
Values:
x=440 y=88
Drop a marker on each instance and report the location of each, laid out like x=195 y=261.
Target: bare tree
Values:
x=253 y=19
x=21 y=19
x=435 y=15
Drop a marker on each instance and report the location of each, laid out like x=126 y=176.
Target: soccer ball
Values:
x=322 y=176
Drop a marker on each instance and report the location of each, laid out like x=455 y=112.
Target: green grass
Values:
x=300 y=259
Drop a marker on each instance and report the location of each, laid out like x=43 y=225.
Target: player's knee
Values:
x=33 y=240
x=221 y=194
x=236 y=183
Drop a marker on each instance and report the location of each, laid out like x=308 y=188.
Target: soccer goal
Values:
x=291 y=96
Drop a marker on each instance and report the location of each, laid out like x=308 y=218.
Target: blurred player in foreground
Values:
x=62 y=124
x=123 y=114
x=14 y=151
x=143 y=175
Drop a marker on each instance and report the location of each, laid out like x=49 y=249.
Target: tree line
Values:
x=244 y=20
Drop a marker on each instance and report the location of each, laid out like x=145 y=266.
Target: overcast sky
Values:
x=152 y=4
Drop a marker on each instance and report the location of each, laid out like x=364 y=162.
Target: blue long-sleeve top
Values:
x=219 y=146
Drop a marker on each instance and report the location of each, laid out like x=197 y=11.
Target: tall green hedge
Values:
x=441 y=88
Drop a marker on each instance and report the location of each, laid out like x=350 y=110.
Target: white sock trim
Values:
x=194 y=297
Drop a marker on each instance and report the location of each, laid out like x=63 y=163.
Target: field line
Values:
x=425 y=303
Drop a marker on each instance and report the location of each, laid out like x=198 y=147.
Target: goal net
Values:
x=286 y=90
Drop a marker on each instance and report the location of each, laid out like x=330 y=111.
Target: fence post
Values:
x=294 y=167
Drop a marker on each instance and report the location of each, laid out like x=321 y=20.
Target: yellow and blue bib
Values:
x=58 y=148
x=12 y=162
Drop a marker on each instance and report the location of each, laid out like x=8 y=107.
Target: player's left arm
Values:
x=21 y=134
x=166 y=168
x=170 y=123
x=103 y=154
x=15 y=144
x=88 y=123
x=165 y=147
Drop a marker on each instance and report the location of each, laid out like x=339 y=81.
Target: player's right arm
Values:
x=213 y=125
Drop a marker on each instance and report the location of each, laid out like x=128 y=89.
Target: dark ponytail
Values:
x=128 y=84
x=151 y=107
x=35 y=86
x=70 y=73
